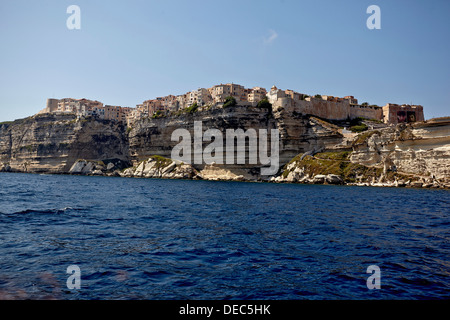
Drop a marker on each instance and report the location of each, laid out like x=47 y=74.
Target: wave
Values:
x=42 y=211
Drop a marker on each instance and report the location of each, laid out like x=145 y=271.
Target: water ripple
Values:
x=173 y=239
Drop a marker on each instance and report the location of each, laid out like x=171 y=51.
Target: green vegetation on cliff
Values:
x=264 y=103
x=161 y=162
x=6 y=123
x=337 y=163
x=357 y=125
x=363 y=137
x=193 y=108
x=158 y=114
x=229 y=102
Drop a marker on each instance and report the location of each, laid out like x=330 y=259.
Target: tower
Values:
x=52 y=105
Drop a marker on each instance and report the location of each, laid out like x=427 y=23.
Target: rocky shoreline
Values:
x=312 y=150
x=157 y=167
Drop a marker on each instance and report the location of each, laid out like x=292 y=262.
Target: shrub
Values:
x=264 y=103
x=356 y=121
x=230 y=102
x=362 y=138
x=357 y=125
x=158 y=114
x=193 y=108
x=161 y=162
x=359 y=128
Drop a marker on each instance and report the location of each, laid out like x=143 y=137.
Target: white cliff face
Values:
x=159 y=167
x=216 y=172
x=153 y=167
x=52 y=143
x=298 y=132
x=422 y=149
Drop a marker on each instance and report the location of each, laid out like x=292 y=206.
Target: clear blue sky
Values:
x=130 y=51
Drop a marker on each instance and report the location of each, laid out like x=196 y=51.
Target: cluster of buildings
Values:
x=335 y=108
x=87 y=108
x=202 y=97
x=327 y=107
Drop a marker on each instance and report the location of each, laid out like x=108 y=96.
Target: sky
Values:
x=129 y=51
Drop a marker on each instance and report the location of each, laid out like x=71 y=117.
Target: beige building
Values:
x=133 y=115
x=294 y=95
x=112 y=113
x=87 y=110
x=68 y=105
x=256 y=94
x=333 y=99
x=125 y=111
x=117 y=113
x=169 y=102
x=77 y=106
x=183 y=100
x=192 y=98
x=219 y=93
x=324 y=106
x=203 y=97
x=351 y=100
x=151 y=106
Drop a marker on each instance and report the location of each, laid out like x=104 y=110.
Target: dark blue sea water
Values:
x=175 y=239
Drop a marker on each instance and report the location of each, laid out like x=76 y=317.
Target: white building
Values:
x=274 y=94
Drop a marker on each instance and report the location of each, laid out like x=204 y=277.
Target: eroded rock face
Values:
x=297 y=133
x=216 y=172
x=334 y=179
x=421 y=149
x=159 y=167
x=153 y=167
x=85 y=167
x=52 y=143
x=319 y=179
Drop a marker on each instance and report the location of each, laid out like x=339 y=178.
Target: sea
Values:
x=105 y=238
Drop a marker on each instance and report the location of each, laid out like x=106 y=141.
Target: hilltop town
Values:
x=81 y=136
x=323 y=106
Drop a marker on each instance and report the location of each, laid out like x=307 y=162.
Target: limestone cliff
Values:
x=51 y=143
x=153 y=167
x=404 y=155
x=298 y=133
x=311 y=150
x=54 y=142
x=421 y=148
